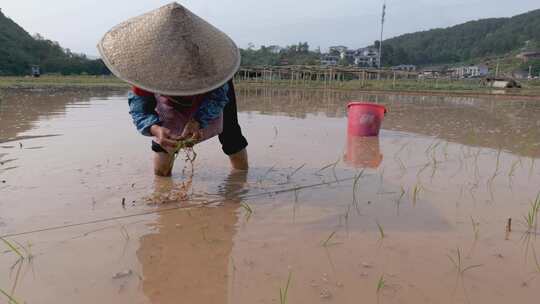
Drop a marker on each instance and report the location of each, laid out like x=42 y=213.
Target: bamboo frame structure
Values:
x=296 y=75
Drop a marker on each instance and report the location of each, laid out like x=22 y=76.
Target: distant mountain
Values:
x=475 y=39
x=19 y=51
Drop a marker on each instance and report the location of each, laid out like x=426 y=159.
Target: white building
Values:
x=367 y=57
x=404 y=67
x=470 y=71
x=329 y=60
x=363 y=57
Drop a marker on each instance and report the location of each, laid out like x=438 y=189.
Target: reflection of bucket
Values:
x=365 y=118
x=363 y=152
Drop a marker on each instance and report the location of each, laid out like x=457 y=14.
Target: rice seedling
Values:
x=445 y=151
x=290 y=175
x=497 y=167
x=434 y=166
x=459 y=168
x=460 y=195
x=475 y=228
x=327 y=242
x=347 y=212
x=416 y=192
x=334 y=164
x=190 y=154
x=355 y=204
x=531 y=168
x=401 y=195
x=27 y=250
x=458 y=263
x=402 y=167
x=536 y=262
x=355 y=184
x=477 y=154
x=183 y=144
x=12 y=247
x=381 y=231
x=531 y=218
x=247 y=208
x=283 y=293
x=380 y=284
x=432 y=146
x=472 y=190
x=334 y=170
x=325 y=167
x=124 y=232
x=513 y=168
x=398 y=152
x=260 y=179
x=422 y=169
x=331 y=165
x=11 y=300
x=17 y=275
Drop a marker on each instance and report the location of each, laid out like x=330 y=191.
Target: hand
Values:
x=164 y=137
x=192 y=131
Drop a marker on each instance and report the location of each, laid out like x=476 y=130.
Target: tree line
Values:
x=464 y=42
x=460 y=43
x=19 y=52
x=296 y=54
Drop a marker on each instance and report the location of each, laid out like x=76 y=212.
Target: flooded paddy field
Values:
x=439 y=209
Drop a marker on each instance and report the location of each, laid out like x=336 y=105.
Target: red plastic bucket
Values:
x=365 y=119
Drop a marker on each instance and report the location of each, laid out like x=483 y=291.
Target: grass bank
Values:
x=60 y=82
x=410 y=86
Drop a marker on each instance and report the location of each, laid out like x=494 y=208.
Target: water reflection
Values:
x=187 y=258
x=20 y=111
x=363 y=152
x=511 y=125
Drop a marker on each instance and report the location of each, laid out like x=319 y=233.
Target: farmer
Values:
x=180 y=68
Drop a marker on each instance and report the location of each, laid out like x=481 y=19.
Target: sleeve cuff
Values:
x=146 y=130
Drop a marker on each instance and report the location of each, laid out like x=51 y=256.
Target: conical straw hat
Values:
x=170 y=51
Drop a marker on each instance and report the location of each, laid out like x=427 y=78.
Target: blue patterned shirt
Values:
x=143 y=113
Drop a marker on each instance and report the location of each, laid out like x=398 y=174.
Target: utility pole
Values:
x=382 y=29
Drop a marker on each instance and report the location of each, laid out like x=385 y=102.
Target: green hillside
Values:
x=19 y=51
x=460 y=43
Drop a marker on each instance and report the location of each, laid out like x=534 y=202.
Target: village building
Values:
x=404 y=67
x=329 y=60
x=531 y=55
x=363 y=57
x=433 y=72
x=367 y=57
x=348 y=55
x=470 y=71
x=36 y=71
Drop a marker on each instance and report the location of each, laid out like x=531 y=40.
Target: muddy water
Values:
x=418 y=215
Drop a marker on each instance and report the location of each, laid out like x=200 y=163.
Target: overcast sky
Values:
x=79 y=24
